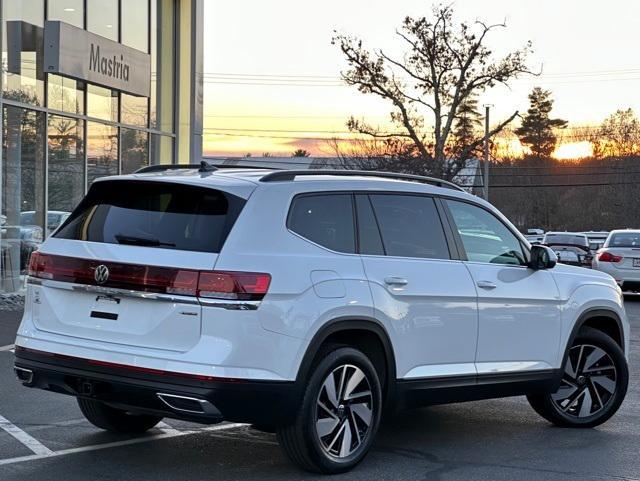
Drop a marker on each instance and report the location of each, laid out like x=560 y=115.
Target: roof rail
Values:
x=203 y=166
x=289 y=175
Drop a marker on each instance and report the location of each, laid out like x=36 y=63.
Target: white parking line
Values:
x=116 y=444
x=8 y=347
x=165 y=428
x=29 y=441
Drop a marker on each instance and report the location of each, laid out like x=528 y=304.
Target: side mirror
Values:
x=542 y=257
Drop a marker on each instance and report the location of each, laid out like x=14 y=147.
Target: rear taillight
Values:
x=608 y=257
x=185 y=282
x=233 y=285
x=37 y=265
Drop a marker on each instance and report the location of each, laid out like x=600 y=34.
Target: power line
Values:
x=589 y=184
x=302 y=80
x=215 y=129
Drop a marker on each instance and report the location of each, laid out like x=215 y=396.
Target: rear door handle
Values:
x=395 y=281
x=486 y=285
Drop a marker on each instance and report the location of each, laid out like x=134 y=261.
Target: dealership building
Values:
x=89 y=88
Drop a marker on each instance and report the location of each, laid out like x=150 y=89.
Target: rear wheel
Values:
x=116 y=420
x=340 y=414
x=593 y=386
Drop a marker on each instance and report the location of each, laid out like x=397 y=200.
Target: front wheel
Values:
x=593 y=386
x=340 y=414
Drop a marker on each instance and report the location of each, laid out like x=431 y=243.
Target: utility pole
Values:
x=485 y=180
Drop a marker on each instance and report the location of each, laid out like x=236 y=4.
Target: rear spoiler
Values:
x=584 y=248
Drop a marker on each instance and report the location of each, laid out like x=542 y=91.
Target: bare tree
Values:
x=444 y=64
x=394 y=154
x=619 y=135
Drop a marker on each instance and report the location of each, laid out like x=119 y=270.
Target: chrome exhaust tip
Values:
x=187 y=404
x=25 y=376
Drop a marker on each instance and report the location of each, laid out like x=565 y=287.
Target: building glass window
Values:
x=102 y=151
x=66 y=168
x=68 y=11
x=23 y=50
x=22 y=180
x=65 y=94
x=161 y=149
x=162 y=64
x=135 y=110
x=134 y=145
x=102 y=103
x=135 y=24
x=102 y=18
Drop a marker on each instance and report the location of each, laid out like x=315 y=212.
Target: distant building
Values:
x=89 y=89
x=469 y=178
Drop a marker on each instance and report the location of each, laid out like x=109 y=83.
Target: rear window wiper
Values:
x=141 y=241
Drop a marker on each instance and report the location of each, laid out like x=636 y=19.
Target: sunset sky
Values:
x=272 y=76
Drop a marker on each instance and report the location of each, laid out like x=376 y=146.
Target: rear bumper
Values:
x=627 y=279
x=200 y=399
x=630 y=286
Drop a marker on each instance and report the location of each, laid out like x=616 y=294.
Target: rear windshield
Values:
x=154 y=214
x=626 y=239
x=565 y=239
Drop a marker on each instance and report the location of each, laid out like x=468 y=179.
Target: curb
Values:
x=11 y=302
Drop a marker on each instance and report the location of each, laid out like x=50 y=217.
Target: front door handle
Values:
x=486 y=285
x=395 y=281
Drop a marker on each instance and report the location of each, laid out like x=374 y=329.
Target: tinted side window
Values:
x=410 y=226
x=484 y=236
x=368 y=234
x=326 y=219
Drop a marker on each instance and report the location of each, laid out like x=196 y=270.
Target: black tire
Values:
x=301 y=440
x=582 y=401
x=116 y=420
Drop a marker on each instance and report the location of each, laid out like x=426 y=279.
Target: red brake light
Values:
x=608 y=257
x=233 y=285
x=38 y=265
x=184 y=282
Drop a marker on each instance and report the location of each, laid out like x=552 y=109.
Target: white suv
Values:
x=307 y=303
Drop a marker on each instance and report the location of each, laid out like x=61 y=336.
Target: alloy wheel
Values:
x=344 y=411
x=588 y=383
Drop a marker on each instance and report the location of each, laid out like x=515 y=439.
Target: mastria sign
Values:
x=83 y=55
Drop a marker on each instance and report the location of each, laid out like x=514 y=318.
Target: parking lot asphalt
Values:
x=44 y=437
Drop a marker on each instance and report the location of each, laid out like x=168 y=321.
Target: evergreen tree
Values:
x=536 y=131
x=468 y=124
x=301 y=153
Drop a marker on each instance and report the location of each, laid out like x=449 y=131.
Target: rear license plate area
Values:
x=106 y=307
x=636 y=262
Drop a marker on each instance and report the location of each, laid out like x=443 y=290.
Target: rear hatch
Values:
x=124 y=268
x=570 y=248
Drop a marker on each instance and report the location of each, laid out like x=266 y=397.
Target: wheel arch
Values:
x=342 y=329
x=604 y=320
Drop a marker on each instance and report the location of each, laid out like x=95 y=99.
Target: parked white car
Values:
x=596 y=239
x=620 y=258
x=307 y=303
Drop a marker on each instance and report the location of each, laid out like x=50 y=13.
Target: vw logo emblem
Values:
x=101 y=274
